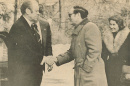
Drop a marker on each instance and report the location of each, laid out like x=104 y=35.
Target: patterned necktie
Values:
x=36 y=32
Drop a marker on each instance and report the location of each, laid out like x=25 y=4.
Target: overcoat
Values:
x=85 y=50
x=25 y=53
x=114 y=61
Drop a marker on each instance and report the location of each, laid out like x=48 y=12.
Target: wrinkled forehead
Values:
x=71 y=11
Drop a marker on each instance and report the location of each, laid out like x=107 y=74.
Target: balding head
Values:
x=28 y=4
x=30 y=10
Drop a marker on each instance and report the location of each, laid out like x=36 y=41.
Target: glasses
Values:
x=70 y=14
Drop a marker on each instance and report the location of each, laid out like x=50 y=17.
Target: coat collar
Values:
x=79 y=27
x=114 y=44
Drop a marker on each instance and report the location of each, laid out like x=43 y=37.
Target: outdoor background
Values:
x=56 y=13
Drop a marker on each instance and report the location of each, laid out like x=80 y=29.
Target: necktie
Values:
x=36 y=32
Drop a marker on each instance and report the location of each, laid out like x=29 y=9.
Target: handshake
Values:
x=49 y=60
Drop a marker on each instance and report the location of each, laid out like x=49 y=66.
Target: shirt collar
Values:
x=30 y=23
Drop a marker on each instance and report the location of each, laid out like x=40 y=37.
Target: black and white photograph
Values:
x=64 y=42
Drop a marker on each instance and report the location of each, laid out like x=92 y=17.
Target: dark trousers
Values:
x=26 y=76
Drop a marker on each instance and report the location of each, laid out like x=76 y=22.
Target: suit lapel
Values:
x=29 y=30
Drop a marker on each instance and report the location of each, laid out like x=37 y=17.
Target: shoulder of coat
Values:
x=43 y=22
x=91 y=25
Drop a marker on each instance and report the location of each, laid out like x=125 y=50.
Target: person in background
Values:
x=29 y=40
x=116 y=50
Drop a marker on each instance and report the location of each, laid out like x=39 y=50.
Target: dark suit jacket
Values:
x=24 y=52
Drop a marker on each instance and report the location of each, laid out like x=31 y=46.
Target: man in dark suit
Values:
x=29 y=40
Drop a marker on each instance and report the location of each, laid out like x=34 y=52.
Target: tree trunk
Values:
x=15 y=11
x=59 y=14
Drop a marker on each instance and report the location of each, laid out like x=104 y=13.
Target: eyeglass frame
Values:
x=70 y=14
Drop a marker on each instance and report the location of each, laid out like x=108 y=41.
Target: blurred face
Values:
x=113 y=26
x=34 y=13
x=73 y=17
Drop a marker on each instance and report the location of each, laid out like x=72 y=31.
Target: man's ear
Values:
x=28 y=11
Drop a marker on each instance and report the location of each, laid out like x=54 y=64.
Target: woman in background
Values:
x=116 y=51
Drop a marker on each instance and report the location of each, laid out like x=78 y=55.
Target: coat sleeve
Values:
x=64 y=58
x=48 y=50
x=94 y=46
x=105 y=52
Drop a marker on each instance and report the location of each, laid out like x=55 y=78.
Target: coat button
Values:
x=16 y=43
x=44 y=29
x=125 y=61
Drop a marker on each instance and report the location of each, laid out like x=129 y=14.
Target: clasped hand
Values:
x=49 y=60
